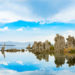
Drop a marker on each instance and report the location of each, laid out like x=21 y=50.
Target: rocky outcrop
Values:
x=35 y=46
x=59 y=43
x=41 y=45
x=70 y=42
x=28 y=47
x=47 y=45
x=58 y=46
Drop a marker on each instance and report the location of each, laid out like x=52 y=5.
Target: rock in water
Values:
x=59 y=43
x=47 y=45
x=28 y=47
x=40 y=46
x=70 y=42
x=35 y=46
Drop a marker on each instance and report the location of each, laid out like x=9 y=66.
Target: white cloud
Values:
x=66 y=72
x=20 y=29
x=60 y=72
x=69 y=32
x=66 y=15
x=19 y=62
x=36 y=33
x=6 y=16
x=35 y=29
x=33 y=10
x=4 y=29
x=3 y=62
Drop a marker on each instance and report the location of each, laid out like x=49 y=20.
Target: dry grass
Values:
x=68 y=50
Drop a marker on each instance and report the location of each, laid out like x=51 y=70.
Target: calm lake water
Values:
x=30 y=63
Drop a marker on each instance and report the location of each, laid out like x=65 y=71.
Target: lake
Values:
x=31 y=63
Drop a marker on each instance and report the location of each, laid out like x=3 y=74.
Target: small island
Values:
x=60 y=45
x=62 y=49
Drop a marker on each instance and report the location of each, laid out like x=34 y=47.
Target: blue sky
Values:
x=36 y=20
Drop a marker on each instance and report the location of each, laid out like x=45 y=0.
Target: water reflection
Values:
x=60 y=57
x=71 y=60
x=44 y=55
x=10 y=50
x=21 y=60
x=2 y=50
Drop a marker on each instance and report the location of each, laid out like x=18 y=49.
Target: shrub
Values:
x=51 y=47
x=72 y=51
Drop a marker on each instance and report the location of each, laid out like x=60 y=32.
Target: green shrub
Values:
x=72 y=51
x=51 y=47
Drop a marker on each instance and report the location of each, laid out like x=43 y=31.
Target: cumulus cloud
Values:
x=11 y=72
x=20 y=29
x=19 y=62
x=3 y=62
x=4 y=29
x=64 y=16
x=35 y=29
x=37 y=10
x=69 y=32
x=43 y=11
